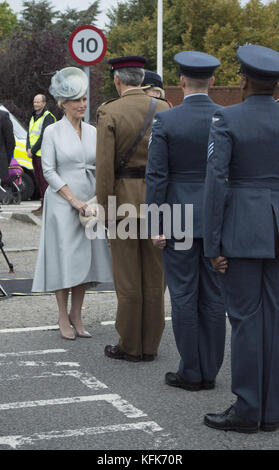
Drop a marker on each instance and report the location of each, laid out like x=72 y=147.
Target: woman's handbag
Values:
x=91 y=213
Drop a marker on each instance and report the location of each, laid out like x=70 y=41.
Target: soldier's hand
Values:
x=220 y=264
x=159 y=241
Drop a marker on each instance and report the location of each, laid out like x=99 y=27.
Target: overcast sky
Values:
x=16 y=5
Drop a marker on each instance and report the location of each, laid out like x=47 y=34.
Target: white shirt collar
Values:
x=195 y=94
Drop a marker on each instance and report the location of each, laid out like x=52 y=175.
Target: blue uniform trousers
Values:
x=251 y=293
x=198 y=312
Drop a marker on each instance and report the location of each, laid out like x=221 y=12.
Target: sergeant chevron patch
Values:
x=210 y=150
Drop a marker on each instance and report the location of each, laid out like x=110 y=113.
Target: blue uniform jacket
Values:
x=177 y=156
x=241 y=203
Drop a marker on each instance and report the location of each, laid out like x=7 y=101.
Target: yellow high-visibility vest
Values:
x=35 y=129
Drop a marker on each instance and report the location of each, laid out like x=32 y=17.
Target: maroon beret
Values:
x=127 y=61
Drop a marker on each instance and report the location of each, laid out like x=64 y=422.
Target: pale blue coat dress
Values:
x=66 y=257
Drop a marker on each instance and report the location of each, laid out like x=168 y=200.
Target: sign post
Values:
x=87 y=46
x=160 y=38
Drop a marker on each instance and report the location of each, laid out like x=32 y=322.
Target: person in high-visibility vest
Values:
x=41 y=118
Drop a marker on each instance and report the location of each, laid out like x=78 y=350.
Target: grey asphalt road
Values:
x=60 y=395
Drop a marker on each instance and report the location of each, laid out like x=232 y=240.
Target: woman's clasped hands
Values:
x=80 y=206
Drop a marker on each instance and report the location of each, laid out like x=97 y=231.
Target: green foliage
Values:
x=8 y=21
x=27 y=63
x=217 y=27
x=36 y=49
x=37 y=16
x=70 y=20
x=40 y=16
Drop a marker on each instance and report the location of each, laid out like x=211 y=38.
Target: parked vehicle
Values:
x=28 y=186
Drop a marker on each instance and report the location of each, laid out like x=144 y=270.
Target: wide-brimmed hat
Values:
x=70 y=83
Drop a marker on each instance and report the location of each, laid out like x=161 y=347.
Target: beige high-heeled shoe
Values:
x=84 y=334
x=71 y=338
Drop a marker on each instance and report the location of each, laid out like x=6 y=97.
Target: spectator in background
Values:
x=7 y=143
x=153 y=86
x=41 y=118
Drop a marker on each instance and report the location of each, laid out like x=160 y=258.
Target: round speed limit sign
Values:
x=87 y=45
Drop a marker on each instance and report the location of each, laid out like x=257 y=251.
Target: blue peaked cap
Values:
x=196 y=64
x=259 y=62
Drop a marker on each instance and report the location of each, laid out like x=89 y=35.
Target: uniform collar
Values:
x=133 y=91
x=259 y=98
x=195 y=94
x=196 y=98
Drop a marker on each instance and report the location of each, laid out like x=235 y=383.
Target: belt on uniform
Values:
x=179 y=177
x=135 y=172
x=260 y=183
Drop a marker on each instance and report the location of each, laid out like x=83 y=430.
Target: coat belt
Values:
x=180 y=177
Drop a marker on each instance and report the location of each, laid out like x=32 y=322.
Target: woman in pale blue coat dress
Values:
x=67 y=259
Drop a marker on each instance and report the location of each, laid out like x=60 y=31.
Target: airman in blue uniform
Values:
x=241 y=219
x=175 y=175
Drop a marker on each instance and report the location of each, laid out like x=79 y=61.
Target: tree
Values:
x=28 y=62
x=40 y=16
x=217 y=27
x=8 y=21
x=71 y=19
x=130 y=11
x=37 y=16
x=39 y=48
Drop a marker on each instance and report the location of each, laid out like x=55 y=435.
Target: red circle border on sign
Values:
x=70 y=44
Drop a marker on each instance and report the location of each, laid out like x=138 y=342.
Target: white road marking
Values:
x=85 y=378
x=15 y=442
x=115 y=400
x=33 y=328
x=35 y=353
x=53 y=327
x=41 y=364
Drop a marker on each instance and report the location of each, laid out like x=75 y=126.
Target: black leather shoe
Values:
x=229 y=421
x=175 y=380
x=208 y=385
x=148 y=357
x=115 y=352
x=269 y=427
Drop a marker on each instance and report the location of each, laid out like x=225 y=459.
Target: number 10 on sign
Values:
x=87 y=46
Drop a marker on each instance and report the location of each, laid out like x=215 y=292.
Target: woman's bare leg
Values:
x=63 y=318
x=78 y=293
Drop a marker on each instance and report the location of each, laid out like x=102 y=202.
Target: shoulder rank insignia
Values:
x=109 y=101
x=210 y=150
